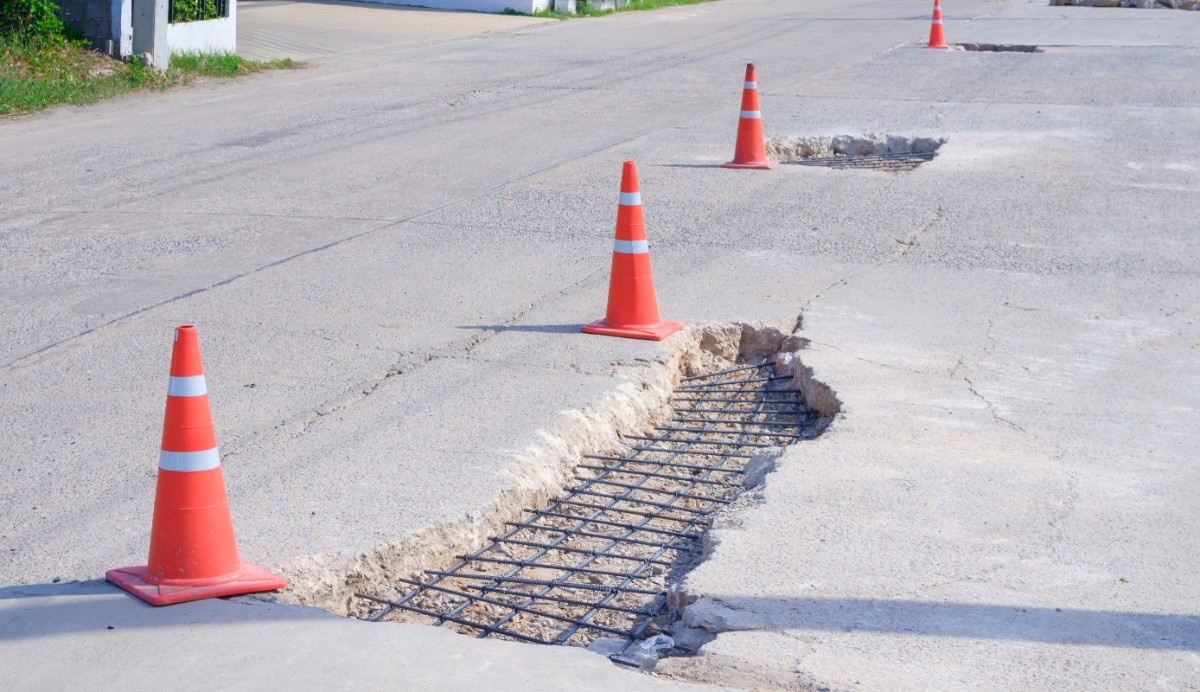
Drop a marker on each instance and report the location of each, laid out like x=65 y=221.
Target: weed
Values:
x=30 y=18
x=187 y=65
x=37 y=73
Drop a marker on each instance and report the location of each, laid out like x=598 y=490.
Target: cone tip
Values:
x=185 y=352
x=629 y=178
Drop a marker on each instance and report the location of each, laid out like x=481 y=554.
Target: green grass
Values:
x=583 y=10
x=38 y=73
x=189 y=65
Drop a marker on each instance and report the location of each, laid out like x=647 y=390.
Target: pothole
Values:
x=598 y=564
x=999 y=48
x=1141 y=4
x=890 y=153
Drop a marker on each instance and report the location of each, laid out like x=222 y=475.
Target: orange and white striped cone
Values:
x=937 y=37
x=632 y=306
x=751 y=150
x=193 y=553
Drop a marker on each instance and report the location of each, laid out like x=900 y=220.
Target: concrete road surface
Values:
x=388 y=255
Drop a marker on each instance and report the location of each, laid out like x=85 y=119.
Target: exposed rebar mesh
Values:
x=597 y=562
x=894 y=163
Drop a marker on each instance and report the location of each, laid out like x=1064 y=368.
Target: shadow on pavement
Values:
x=974 y=620
x=48 y=610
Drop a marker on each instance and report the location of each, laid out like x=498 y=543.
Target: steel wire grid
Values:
x=597 y=561
x=897 y=163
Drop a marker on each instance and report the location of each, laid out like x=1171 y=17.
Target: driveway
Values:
x=310 y=30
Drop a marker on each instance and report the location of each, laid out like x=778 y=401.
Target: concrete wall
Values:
x=526 y=6
x=104 y=20
x=92 y=17
x=208 y=36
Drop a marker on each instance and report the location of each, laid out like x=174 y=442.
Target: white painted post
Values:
x=150 y=33
x=566 y=6
x=122 y=27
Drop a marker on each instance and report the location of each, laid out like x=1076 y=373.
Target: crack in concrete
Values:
x=336 y=340
x=571 y=368
x=868 y=360
x=906 y=246
x=911 y=239
x=842 y=281
x=991 y=406
x=235 y=445
x=365 y=392
x=34 y=357
x=407 y=363
x=488 y=333
x=958 y=364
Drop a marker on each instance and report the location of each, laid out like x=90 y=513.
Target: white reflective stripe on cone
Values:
x=187 y=386
x=751 y=85
x=752 y=114
x=631 y=199
x=937 y=21
x=189 y=461
x=631 y=247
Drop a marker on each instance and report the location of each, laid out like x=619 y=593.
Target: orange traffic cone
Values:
x=751 y=151
x=193 y=553
x=937 y=38
x=632 y=307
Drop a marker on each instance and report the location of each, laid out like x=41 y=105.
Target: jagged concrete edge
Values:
x=780 y=148
x=710 y=614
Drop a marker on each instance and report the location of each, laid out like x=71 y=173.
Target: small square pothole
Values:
x=999 y=47
x=887 y=153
